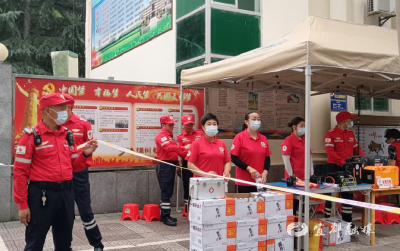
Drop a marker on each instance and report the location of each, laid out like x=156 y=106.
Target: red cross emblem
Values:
x=211 y=190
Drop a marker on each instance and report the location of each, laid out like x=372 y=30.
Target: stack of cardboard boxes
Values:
x=251 y=222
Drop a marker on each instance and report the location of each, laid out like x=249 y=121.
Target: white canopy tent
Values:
x=319 y=55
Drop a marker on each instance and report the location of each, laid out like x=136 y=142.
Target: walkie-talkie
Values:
x=70 y=138
x=37 y=139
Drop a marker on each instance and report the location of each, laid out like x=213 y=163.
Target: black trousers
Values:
x=246 y=189
x=186 y=175
x=82 y=198
x=166 y=181
x=57 y=213
x=347 y=210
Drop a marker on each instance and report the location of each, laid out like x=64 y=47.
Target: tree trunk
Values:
x=27 y=19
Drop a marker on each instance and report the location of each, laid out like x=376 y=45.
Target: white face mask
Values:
x=211 y=131
x=349 y=126
x=255 y=124
x=62 y=117
x=301 y=131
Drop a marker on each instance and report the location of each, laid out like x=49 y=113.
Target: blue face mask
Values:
x=255 y=124
x=301 y=131
x=211 y=131
x=62 y=117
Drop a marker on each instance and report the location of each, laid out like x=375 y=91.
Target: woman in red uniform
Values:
x=293 y=150
x=209 y=154
x=250 y=153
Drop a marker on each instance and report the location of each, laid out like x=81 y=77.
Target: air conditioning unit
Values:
x=379 y=5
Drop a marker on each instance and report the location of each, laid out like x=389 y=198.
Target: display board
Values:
x=124 y=114
x=372 y=139
x=120 y=25
x=277 y=108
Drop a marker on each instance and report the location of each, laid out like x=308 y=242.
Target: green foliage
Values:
x=32 y=33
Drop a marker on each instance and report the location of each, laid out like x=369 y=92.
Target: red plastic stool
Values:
x=184 y=212
x=130 y=212
x=319 y=208
x=151 y=212
x=390 y=218
x=378 y=217
x=381 y=199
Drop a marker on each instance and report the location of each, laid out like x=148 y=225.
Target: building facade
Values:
x=206 y=31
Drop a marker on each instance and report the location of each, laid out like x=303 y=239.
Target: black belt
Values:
x=58 y=186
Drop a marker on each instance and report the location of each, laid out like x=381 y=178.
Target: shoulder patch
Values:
x=90 y=134
x=327 y=140
x=21 y=150
x=163 y=139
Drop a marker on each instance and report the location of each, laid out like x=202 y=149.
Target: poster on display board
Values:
x=372 y=139
x=276 y=108
x=121 y=25
x=127 y=115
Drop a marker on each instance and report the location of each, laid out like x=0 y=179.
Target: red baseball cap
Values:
x=167 y=119
x=187 y=119
x=342 y=116
x=52 y=99
x=70 y=99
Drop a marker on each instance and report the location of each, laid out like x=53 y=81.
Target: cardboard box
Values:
x=277 y=203
x=252 y=246
x=207 y=188
x=277 y=226
x=212 y=211
x=251 y=230
x=248 y=206
x=213 y=235
x=281 y=244
x=220 y=248
x=339 y=227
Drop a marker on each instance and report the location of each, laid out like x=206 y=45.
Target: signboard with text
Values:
x=338 y=102
x=121 y=25
x=124 y=114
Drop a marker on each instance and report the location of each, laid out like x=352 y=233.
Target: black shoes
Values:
x=169 y=221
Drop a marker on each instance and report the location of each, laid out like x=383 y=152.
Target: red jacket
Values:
x=185 y=138
x=167 y=149
x=82 y=131
x=51 y=161
x=340 y=145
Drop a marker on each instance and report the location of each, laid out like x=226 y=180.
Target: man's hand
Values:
x=24 y=216
x=187 y=147
x=253 y=172
x=90 y=147
x=264 y=176
x=179 y=172
x=227 y=175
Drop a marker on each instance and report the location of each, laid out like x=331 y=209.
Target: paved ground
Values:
x=141 y=235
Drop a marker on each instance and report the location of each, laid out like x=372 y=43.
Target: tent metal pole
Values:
x=307 y=157
x=178 y=182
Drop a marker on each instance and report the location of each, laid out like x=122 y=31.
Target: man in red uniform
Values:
x=82 y=131
x=186 y=138
x=45 y=160
x=167 y=151
x=340 y=144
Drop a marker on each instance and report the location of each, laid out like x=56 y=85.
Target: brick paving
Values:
x=141 y=235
